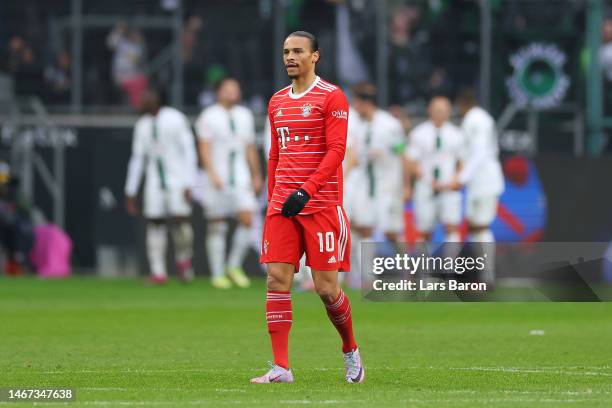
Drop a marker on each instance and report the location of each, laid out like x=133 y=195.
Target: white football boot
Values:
x=355 y=372
x=276 y=374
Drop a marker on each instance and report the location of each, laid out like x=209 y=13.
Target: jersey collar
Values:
x=298 y=96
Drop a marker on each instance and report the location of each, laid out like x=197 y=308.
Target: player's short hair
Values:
x=158 y=93
x=314 y=43
x=222 y=81
x=467 y=95
x=365 y=91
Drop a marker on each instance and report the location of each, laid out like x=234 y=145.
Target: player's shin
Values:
x=240 y=244
x=339 y=313
x=354 y=276
x=215 y=247
x=157 y=239
x=487 y=246
x=279 y=317
x=182 y=234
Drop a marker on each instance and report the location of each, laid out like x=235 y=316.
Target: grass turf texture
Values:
x=119 y=343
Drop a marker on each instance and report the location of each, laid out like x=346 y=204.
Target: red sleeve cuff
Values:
x=310 y=188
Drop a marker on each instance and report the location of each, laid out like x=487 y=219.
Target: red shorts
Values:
x=324 y=236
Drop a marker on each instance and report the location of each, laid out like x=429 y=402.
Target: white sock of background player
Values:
x=215 y=247
x=157 y=240
x=453 y=237
x=182 y=234
x=354 y=276
x=303 y=277
x=488 y=239
x=239 y=247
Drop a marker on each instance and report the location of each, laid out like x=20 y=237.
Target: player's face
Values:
x=229 y=93
x=149 y=102
x=357 y=104
x=298 y=56
x=462 y=106
x=439 y=111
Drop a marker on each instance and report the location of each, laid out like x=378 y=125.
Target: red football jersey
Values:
x=308 y=132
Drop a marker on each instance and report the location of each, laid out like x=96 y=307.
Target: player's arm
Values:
x=190 y=155
x=336 y=125
x=252 y=157
x=406 y=178
x=477 y=154
x=398 y=148
x=412 y=154
x=272 y=156
x=351 y=159
x=205 y=151
x=135 y=169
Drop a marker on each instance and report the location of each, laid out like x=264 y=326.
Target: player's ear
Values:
x=316 y=56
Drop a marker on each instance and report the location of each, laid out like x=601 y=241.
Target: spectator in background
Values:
x=23 y=66
x=409 y=59
x=191 y=32
x=193 y=58
x=605 y=59
x=16 y=237
x=128 y=61
x=58 y=78
x=439 y=83
x=605 y=52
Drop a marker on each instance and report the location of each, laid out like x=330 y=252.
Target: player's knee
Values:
x=365 y=232
x=279 y=277
x=156 y=221
x=391 y=236
x=450 y=228
x=477 y=228
x=216 y=227
x=327 y=292
x=245 y=219
x=183 y=234
x=425 y=235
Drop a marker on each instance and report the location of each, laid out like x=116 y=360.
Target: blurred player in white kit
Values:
x=481 y=174
x=163 y=146
x=435 y=149
x=226 y=133
x=374 y=174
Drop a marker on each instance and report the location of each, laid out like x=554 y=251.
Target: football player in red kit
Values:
x=308 y=121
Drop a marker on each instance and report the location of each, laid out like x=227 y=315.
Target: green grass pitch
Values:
x=119 y=343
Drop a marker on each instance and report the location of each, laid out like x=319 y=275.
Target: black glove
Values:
x=295 y=203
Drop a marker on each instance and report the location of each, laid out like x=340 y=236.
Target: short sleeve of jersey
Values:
x=249 y=136
x=413 y=152
x=397 y=140
x=202 y=127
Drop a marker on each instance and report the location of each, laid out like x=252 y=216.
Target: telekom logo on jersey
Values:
x=284 y=137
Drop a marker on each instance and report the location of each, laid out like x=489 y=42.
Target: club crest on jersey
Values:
x=306 y=109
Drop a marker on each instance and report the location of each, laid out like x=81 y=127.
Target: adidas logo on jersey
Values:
x=332 y=259
x=279 y=113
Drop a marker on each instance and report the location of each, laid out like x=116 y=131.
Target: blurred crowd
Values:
x=433 y=46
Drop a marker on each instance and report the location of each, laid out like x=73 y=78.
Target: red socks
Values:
x=339 y=313
x=279 y=318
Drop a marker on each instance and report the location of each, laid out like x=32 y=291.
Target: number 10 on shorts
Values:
x=329 y=241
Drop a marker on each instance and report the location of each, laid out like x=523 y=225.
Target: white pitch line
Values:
x=475 y=368
x=532 y=371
